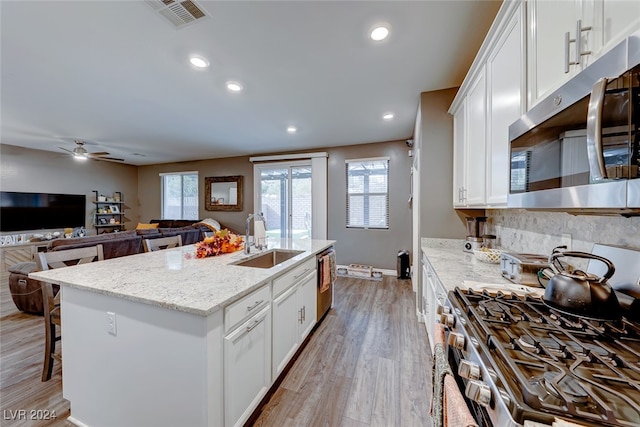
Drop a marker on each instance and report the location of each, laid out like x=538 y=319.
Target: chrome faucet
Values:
x=256 y=217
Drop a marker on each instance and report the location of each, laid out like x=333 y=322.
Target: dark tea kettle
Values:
x=579 y=293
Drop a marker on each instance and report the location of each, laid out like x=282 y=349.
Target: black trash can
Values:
x=404 y=267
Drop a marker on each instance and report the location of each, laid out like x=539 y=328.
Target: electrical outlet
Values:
x=111 y=323
x=566 y=240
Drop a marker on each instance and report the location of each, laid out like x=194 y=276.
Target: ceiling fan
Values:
x=81 y=153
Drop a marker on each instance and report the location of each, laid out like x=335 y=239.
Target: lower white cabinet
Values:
x=247 y=362
x=294 y=315
x=434 y=295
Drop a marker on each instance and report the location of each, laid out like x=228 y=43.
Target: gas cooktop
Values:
x=540 y=364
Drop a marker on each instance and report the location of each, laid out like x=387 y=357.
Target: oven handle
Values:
x=595 y=150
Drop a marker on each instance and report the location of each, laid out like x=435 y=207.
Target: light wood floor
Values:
x=21 y=356
x=367 y=364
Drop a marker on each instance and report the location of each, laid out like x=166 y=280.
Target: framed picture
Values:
x=114 y=209
x=102 y=221
x=223 y=193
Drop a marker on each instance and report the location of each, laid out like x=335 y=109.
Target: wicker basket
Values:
x=491 y=256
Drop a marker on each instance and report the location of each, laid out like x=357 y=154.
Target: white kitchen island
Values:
x=191 y=344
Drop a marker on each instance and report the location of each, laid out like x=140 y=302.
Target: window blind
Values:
x=367 y=193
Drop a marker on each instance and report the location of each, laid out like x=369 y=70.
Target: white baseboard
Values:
x=76 y=422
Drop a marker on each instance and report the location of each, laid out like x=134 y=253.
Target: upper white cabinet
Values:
x=469 y=145
x=459 y=138
x=489 y=100
x=475 y=143
x=505 y=83
x=566 y=36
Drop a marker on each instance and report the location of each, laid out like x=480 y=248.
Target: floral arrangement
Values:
x=222 y=242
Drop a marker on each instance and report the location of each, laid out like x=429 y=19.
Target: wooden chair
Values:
x=151 y=245
x=48 y=261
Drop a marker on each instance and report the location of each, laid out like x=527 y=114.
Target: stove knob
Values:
x=456 y=340
x=505 y=397
x=478 y=392
x=492 y=375
x=469 y=370
x=443 y=309
x=474 y=342
x=448 y=320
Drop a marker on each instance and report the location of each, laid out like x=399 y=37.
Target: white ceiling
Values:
x=116 y=74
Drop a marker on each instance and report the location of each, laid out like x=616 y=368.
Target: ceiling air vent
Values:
x=179 y=13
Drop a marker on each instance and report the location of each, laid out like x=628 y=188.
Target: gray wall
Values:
x=374 y=247
x=437 y=217
x=43 y=171
x=149 y=188
x=40 y=171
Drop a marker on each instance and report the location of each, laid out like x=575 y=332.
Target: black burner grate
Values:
x=582 y=369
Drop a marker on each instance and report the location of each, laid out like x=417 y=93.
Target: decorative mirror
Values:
x=223 y=193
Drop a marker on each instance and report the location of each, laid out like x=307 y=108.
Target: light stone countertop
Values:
x=453 y=266
x=172 y=279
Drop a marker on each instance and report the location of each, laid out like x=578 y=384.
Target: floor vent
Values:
x=179 y=13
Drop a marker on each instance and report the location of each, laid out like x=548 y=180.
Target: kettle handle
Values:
x=557 y=253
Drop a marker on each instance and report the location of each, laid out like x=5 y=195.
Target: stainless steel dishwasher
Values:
x=326 y=274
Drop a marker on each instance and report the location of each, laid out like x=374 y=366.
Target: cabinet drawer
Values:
x=283 y=282
x=245 y=307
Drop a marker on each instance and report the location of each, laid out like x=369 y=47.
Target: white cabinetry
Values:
x=434 y=296
x=566 y=36
x=489 y=100
x=459 y=138
x=475 y=144
x=247 y=360
x=469 y=148
x=294 y=315
x=505 y=83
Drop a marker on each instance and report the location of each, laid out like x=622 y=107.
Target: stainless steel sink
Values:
x=268 y=259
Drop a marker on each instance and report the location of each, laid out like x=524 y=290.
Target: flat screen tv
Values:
x=36 y=211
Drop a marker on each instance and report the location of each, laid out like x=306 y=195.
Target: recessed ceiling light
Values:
x=379 y=33
x=234 y=86
x=387 y=116
x=292 y=129
x=199 y=62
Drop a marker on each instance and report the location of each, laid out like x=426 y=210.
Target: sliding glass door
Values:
x=285 y=199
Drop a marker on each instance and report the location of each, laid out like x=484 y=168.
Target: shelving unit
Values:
x=109 y=216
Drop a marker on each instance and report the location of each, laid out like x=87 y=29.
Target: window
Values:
x=368 y=193
x=180 y=195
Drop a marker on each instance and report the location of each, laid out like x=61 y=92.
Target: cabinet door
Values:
x=247 y=360
x=475 y=144
x=425 y=296
x=548 y=23
x=458 y=155
x=505 y=83
x=308 y=294
x=286 y=315
x=620 y=18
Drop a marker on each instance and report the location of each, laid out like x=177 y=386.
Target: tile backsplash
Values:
x=539 y=232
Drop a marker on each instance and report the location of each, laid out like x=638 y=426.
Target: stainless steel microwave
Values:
x=579 y=148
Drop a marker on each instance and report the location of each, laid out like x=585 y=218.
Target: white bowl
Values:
x=491 y=256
